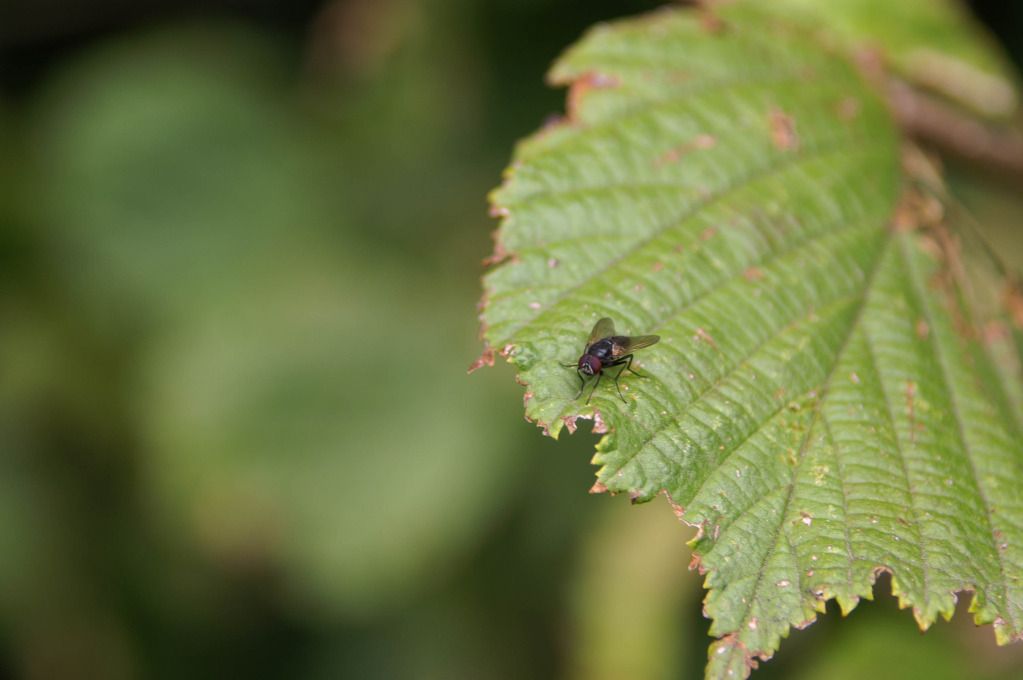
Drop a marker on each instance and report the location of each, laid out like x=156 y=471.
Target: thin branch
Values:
x=999 y=149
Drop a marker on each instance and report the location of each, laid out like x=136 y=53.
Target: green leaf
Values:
x=822 y=404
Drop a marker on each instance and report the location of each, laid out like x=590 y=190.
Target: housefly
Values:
x=603 y=350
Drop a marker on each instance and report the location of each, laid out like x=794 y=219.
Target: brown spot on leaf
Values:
x=994 y=331
x=580 y=87
x=808 y=72
x=708 y=233
x=753 y=274
x=871 y=64
x=923 y=329
x=783 y=130
x=672 y=155
x=910 y=392
x=676 y=153
x=598 y=487
x=706 y=337
x=657 y=266
x=599 y=426
x=848 y=108
x=1014 y=303
x=710 y=21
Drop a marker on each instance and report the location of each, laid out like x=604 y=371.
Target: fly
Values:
x=603 y=350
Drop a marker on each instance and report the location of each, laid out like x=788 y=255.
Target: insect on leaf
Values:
x=826 y=402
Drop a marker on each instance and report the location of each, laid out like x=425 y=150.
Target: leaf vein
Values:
x=942 y=361
x=764 y=171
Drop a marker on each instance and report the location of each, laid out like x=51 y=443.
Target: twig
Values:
x=930 y=120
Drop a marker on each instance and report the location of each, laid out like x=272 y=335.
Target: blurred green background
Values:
x=240 y=250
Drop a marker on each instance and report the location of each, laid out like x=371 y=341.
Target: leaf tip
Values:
x=846 y=603
x=730 y=658
x=500 y=254
x=486 y=358
x=580 y=86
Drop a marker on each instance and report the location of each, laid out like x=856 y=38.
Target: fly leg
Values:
x=582 y=384
x=597 y=382
x=620 y=362
x=626 y=365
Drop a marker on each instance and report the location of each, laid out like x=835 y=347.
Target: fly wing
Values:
x=625 y=344
x=604 y=328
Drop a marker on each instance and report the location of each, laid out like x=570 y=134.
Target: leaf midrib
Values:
x=744 y=361
x=817 y=416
